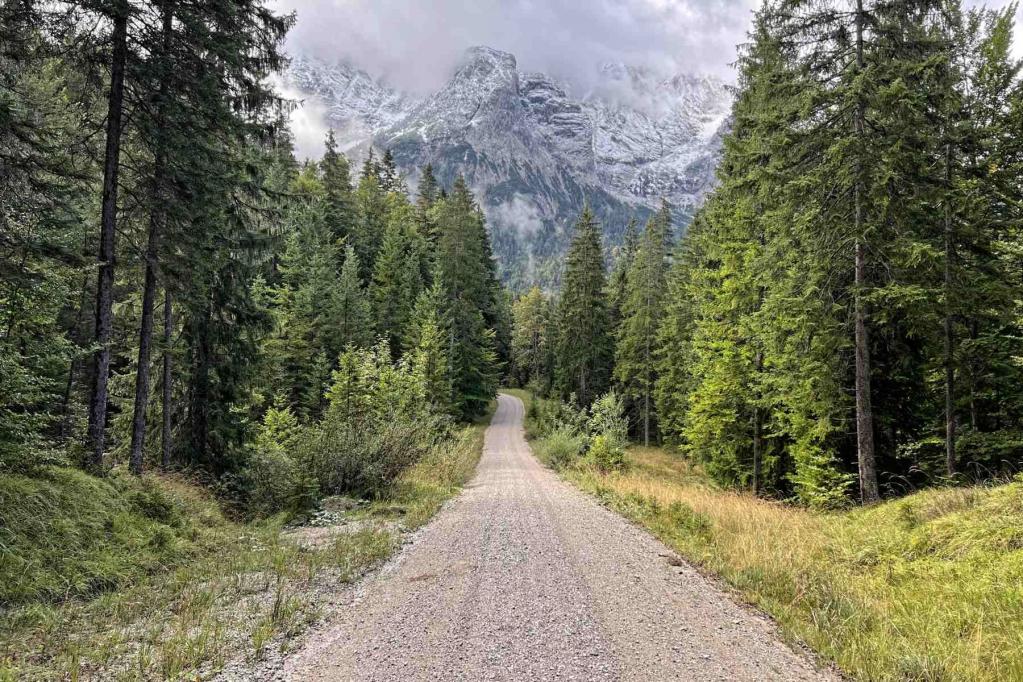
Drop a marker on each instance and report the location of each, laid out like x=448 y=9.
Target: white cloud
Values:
x=308 y=122
x=416 y=44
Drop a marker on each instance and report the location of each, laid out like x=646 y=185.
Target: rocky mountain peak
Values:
x=532 y=151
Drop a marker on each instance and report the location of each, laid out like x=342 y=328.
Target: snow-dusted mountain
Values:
x=533 y=152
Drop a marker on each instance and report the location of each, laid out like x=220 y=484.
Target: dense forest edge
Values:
x=230 y=382
x=206 y=344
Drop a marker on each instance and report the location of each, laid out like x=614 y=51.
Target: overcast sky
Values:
x=415 y=44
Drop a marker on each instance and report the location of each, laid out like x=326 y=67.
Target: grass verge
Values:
x=927 y=587
x=125 y=578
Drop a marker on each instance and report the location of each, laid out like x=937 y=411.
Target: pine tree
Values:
x=430 y=360
x=335 y=174
x=427 y=193
x=390 y=179
x=42 y=300
x=349 y=306
x=616 y=282
x=461 y=252
x=371 y=209
x=584 y=348
x=178 y=122
x=642 y=310
x=397 y=273
x=531 y=344
x=118 y=13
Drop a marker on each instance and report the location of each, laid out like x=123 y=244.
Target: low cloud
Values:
x=416 y=45
x=308 y=122
x=519 y=213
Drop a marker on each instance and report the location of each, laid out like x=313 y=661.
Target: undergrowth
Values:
x=126 y=578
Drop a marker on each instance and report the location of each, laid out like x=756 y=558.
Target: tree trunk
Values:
x=168 y=321
x=108 y=231
x=156 y=218
x=198 y=411
x=950 y=420
x=974 y=422
x=864 y=413
x=758 y=432
x=74 y=367
x=646 y=395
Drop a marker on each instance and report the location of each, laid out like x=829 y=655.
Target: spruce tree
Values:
x=397 y=273
x=616 y=282
x=642 y=310
x=584 y=347
x=349 y=306
x=531 y=344
x=117 y=11
x=371 y=211
x=461 y=252
x=335 y=174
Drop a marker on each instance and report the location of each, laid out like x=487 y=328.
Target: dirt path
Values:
x=525 y=578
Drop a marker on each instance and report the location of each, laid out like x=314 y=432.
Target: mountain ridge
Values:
x=533 y=152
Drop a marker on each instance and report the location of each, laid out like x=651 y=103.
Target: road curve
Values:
x=522 y=577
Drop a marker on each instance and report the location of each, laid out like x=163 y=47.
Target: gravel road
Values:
x=522 y=577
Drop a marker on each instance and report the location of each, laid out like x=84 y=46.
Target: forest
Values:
x=233 y=382
x=842 y=319
x=176 y=286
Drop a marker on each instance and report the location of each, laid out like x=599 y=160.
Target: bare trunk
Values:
x=864 y=412
x=973 y=379
x=950 y=419
x=75 y=366
x=758 y=432
x=156 y=218
x=108 y=231
x=198 y=411
x=142 y=374
x=646 y=396
x=168 y=321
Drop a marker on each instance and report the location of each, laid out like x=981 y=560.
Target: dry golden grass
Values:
x=928 y=587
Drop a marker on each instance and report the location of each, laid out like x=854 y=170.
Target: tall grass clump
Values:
x=64 y=533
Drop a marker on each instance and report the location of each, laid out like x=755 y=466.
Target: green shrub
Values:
x=606 y=452
x=561 y=447
x=607 y=418
x=609 y=430
x=272 y=480
x=363 y=457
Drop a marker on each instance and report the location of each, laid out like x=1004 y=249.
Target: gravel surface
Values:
x=523 y=577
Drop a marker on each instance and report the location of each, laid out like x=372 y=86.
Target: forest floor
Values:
x=524 y=577
x=924 y=587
